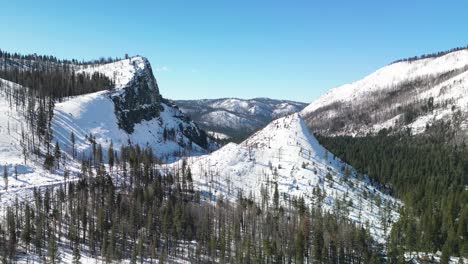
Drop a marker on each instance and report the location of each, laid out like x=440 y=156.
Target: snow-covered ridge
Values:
x=391 y=75
x=287 y=154
x=120 y=72
x=101 y=114
x=93 y=114
x=446 y=78
x=237 y=117
x=135 y=103
x=89 y=116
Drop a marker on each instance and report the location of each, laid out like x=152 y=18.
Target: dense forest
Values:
x=429 y=173
x=48 y=77
x=141 y=215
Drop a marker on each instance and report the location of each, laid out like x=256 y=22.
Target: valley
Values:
x=108 y=170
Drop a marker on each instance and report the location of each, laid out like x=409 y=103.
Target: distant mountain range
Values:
x=236 y=119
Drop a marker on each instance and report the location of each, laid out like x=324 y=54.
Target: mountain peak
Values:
x=286 y=155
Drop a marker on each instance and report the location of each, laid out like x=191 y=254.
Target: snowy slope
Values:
x=120 y=72
x=382 y=99
x=24 y=173
x=95 y=114
x=90 y=115
x=284 y=152
x=237 y=118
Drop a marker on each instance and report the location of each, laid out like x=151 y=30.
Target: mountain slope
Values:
x=401 y=125
x=18 y=151
x=133 y=113
x=236 y=118
x=411 y=94
x=286 y=155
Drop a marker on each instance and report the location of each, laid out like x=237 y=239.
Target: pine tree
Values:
x=98 y=155
x=11 y=225
x=57 y=154
x=110 y=155
x=26 y=232
x=52 y=249
x=445 y=258
x=72 y=140
x=133 y=258
x=5 y=176
x=276 y=197
x=76 y=254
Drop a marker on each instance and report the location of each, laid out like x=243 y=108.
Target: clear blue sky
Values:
x=221 y=48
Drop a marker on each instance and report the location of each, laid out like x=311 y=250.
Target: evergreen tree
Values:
x=72 y=140
x=57 y=154
x=5 y=176
x=110 y=155
x=76 y=254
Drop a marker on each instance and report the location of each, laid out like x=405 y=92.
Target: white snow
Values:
x=238 y=115
x=390 y=75
x=286 y=144
x=255 y=107
x=93 y=114
x=447 y=95
x=23 y=175
x=421 y=257
x=120 y=72
x=218 y=135
x=226 y=119
x=85 y=115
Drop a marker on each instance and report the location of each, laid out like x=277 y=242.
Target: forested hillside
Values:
x=142 y=216
x=429 y=173
x=412 y=93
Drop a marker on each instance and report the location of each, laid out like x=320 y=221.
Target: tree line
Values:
x=53 y=59
x=56 y=80
x=431 y=55
x=429 y=173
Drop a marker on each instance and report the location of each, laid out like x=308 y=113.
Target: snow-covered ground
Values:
x=23 y=173
x=84 y=115
x=93 y=114
x=256 y=106
x=120 y=72
x=286 y=154
x=390 y=75
x=449 y=96
x=420 y=258
x=65 y=255
x=218 y=135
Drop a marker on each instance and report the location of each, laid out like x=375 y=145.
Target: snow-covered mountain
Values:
x=414 y=93
x=134 y=112
x=285 y=154
x=236 y=118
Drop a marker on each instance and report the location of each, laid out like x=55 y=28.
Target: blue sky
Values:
x=207 y=49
